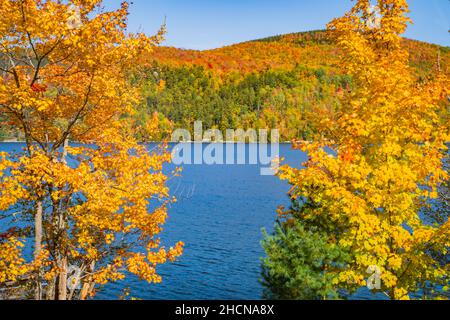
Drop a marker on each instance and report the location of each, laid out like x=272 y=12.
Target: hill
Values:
x=276 y=82
x=284 y=52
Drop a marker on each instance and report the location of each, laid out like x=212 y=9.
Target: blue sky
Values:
x=206 y=24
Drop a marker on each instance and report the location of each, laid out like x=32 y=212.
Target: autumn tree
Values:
x=378 y=161
x=94 y=209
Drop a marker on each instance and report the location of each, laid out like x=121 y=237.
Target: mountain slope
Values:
x=278 y=82
x=314 y=49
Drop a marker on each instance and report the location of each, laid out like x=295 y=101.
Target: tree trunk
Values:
x=38 y=247
x=66 y=145
x=50 y=292
x=62 y=278
x=88 y=286
x=62 y=283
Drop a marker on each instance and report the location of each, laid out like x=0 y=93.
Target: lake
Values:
x=220 y=213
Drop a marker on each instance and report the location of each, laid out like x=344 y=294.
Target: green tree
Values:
x=299 y=257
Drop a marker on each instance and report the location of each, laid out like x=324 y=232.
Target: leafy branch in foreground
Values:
x=379 y=161
x=94 y=211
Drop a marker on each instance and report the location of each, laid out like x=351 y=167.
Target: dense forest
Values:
x=276 y=82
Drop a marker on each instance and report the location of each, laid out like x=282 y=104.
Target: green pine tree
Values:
x=298 y=258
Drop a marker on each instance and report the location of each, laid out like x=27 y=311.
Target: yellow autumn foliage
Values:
x=65 y=70
x=379 y=160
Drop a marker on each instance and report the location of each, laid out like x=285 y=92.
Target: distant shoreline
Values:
x=171 y=142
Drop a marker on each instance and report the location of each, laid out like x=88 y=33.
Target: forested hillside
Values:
x=276 y=82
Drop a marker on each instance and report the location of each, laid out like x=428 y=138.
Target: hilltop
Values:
x=283 y=52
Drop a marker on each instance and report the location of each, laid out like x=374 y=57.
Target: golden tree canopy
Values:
x=65 y=71
x=387 y=143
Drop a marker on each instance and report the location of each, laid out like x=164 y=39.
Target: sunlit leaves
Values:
x=387 y=144
x=68 y=78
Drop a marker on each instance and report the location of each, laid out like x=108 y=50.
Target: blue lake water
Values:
x=220 y=212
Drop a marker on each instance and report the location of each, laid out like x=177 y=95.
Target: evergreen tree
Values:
x=299 y=257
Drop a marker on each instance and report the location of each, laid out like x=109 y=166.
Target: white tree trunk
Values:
x=38 y=247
